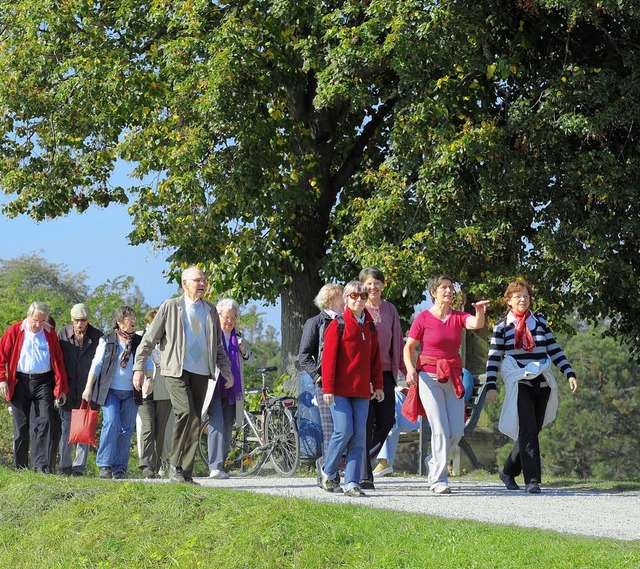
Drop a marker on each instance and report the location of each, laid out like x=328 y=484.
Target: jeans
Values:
x=118 y=419
x=350 y=434
x=66 y=450
x=222 y=415
x=402 y=424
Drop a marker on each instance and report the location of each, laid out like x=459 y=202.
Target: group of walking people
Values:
x=354 y=350
x=189 y=363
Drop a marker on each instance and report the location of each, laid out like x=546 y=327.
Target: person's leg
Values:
x=146 y=444
x=229 y=416
x=433 y=401
x=455 y=416
x=109 y=432
x=326 y=424
x=342 y=432
x=55 y=428
x=163 y=414
x=20 y=413
x=66 y=449
x=359 y=411
x=44 y=410
x=181 y=401
x=535 y=406
x=215 y=436
x=80 y=460
x=198 y=389
x=128 y=412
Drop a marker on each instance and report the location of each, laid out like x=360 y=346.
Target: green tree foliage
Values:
x=31 y=277
x=596 y=432
x=287 y=142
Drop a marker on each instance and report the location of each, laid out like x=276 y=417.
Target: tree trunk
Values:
x=296 y=307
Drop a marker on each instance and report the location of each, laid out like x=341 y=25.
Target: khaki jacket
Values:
x=167 y=333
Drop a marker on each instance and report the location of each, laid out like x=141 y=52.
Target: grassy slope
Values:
x=47 y=521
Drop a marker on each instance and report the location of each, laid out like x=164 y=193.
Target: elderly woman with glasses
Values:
x=523 y=348
x=438 y=374
x=111 y=374
x=351 y=365
x=226 y=403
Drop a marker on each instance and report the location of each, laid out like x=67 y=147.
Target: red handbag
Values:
x=84 y=424
x=412 y=407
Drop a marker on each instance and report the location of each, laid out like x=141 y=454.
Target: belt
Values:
x=45 y=375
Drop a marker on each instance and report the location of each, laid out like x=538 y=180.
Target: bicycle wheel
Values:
x=283 y=440
x=203 y=445
x=246 y=454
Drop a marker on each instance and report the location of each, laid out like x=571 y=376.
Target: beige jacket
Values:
x=167 y=333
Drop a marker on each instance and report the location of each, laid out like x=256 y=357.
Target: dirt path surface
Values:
x=584 y=512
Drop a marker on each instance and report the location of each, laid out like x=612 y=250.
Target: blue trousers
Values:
x=118 y=420
x=350 y=435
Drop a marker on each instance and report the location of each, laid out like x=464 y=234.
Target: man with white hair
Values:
x=78 y=341
x=188 y=336
x=32 y=375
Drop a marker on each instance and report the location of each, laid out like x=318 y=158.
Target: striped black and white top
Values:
x=502 y=344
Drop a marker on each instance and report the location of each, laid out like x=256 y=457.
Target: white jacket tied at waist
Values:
x=512 y=373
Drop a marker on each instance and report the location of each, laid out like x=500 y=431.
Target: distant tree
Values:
x=32 y=277
x=596 y=432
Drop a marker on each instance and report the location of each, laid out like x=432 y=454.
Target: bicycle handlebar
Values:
x=266 y=369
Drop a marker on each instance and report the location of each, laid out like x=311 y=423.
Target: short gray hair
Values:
x=326 y=293
x=225 y=304
x=189 y=270
x=353 y=286
x=434 y=282
x=36 y=306
x=121 y=313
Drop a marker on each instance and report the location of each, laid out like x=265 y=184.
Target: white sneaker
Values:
x=441 y=488
x=383 y=472
x=219 y=474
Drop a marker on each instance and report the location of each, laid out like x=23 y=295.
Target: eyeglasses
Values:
x=357 y=295
x=520 y=296
x=203 y=281
x=229 y=318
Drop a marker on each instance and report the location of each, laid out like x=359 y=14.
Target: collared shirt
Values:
x=196 y=358
x=123 y=379
x=34 y=356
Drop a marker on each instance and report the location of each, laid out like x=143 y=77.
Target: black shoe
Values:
x=120 y=475
x=367 y=485
x=330 y=484
x=66 y=471
x=175 y=474
x=355 y=492
x=42 y=470
x=532 y=488
x=509 y=481
x=77 y=473
x=105 y=472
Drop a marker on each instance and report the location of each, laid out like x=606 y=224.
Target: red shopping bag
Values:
x=84 y=423
x=412 y=407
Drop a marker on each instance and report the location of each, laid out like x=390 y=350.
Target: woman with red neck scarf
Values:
x=523 y=348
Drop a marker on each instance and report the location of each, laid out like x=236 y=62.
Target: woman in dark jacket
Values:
x=112 y=375
x=351 y=366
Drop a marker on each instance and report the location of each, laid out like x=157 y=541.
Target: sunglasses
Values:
x=357 y=295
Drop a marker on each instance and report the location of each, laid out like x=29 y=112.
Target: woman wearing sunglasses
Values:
x=438 y=331
x=350 y=366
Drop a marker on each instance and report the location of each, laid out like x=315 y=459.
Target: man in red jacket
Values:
x=32 y=374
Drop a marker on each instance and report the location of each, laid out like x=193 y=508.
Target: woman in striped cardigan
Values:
x=523 y=348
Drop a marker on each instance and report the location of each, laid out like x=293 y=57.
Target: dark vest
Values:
x=109 y=364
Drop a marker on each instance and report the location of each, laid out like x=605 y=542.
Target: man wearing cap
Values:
x=79 y=341
x=32 y=375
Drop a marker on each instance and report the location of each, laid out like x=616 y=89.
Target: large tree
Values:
x=284 y=142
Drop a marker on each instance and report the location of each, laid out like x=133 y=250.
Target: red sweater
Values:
x=351 y=363
x=10 y=348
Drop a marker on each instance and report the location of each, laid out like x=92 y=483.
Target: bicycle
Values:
x=269 y=434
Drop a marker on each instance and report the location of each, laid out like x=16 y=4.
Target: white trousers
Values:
x=445 y=413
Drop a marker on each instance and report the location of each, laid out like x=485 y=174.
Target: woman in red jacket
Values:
x=351 y=372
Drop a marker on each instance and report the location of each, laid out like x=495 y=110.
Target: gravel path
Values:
x=584 y=512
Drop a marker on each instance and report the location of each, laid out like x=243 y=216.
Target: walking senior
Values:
x=79 y=341
x=32 y=375
x=187 y=333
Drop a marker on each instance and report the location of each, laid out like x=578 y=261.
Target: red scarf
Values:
x=523 y=339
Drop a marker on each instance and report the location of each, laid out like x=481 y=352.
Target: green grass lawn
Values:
x=49 y=521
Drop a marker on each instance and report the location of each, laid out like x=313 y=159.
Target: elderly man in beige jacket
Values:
x=187 y=333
